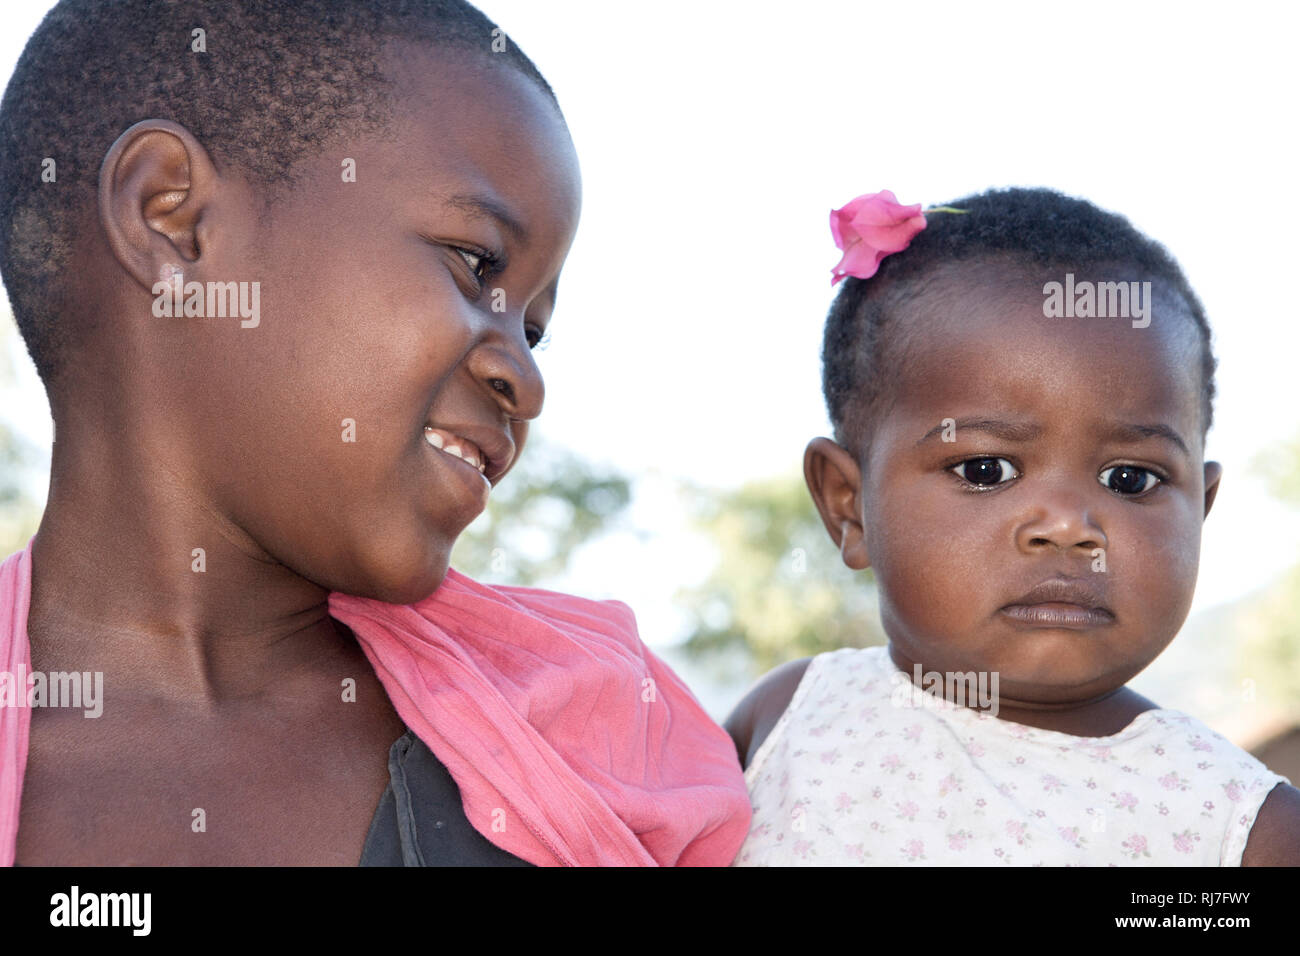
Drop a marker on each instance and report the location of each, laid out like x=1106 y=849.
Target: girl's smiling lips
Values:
x=1060 y=602
x=487 y=450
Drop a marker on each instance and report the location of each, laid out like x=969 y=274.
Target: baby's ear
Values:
x=154 y=183
x=835 y=483
x=1213 y=472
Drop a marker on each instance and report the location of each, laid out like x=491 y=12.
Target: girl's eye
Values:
x=985 y=472
x=1128 y=479
x=479 y=263
x=535 y=337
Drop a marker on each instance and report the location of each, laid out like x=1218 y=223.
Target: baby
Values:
x=1020 y=400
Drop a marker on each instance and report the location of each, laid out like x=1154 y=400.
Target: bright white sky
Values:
x=716 y=136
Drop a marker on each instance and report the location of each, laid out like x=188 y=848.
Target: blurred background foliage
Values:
x=778 y=589
x=1269 y=626
x=1280 y=467
x=20 y=513
x=1269 y=632
x=549 y=505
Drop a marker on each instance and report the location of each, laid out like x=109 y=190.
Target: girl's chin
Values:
x=409 y=595
x=417 y=589
x=405 y=583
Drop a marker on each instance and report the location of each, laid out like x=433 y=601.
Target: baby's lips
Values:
x=1062 y=590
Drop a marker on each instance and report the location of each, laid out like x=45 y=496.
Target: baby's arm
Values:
x=757 y=713
x=1275 y=838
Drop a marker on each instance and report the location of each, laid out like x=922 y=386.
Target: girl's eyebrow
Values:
x=484 y=207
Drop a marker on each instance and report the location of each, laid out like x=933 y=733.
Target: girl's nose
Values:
x=509 y=372
x=1060 y=522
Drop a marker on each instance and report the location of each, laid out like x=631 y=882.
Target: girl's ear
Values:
x=154 y=183
x=835 y=483
x=1213 y=472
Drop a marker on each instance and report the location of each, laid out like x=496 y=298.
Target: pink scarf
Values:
x=572 y=744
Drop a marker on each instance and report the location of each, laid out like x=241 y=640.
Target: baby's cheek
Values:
x=936 y=576
x=1155 y=566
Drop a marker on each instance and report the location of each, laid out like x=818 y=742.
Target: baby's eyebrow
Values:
x=1007 y=431
x=1028 y=431
x=484 y=207
x=1122 y=431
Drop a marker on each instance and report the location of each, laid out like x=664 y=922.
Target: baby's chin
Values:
x=1064 y=683
x=1051 y=668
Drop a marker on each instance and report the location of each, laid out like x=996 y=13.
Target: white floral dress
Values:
x=853 y=774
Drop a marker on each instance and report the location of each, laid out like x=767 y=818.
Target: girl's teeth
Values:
x=437 y=441
x=462 y=455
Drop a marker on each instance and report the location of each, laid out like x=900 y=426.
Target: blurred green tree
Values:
x=1280 y=467
x=19 y=513
x=778 y=589
x=1270 y=625
x=547 y=507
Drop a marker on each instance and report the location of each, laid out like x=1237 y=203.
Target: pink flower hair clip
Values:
x=871 y=227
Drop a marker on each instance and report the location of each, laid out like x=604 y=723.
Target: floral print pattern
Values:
x=947 y=786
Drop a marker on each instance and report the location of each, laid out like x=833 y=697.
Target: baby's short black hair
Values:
x=277 y=80
x=1017 y=227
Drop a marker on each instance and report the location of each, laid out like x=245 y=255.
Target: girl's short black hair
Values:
x=278 y=79
x=1014 y=227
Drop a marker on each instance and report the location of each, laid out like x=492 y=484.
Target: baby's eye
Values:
x=535 y=337
x=985 y=471
x=1128 y=479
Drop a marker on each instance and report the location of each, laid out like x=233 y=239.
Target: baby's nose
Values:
x=1062 y=522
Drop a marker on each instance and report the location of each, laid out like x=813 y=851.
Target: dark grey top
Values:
x=420 y=820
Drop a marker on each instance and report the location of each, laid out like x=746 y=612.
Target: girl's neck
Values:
x=135 y=572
